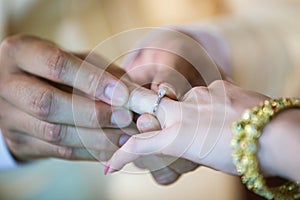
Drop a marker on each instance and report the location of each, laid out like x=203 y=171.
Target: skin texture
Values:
x=37 y=118
x=186 y=125
x=38 y=86
x=160 y=67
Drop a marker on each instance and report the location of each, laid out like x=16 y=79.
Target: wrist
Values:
x=280 y=144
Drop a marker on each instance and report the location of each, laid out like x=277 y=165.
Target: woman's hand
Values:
x=168 y=59
x=197 y=129
x=39 y=112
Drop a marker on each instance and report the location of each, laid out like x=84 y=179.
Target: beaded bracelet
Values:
x=244 y=144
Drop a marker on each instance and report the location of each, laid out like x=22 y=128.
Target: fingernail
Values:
x=121 y=118
x=116 y=93
x=123 y=139
x=106 y=168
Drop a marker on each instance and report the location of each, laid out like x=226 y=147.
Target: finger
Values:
x=151 y=143
x=175 y=83
x=63 y=135
x=47 y=103
x=98 y=61
x=162 y=174
x=142 y=71
x=147 y=122
x=158 y=67
x=165 y=176
x=182 y=166
x=26 y=148
x=142 y=100
x=46 y=60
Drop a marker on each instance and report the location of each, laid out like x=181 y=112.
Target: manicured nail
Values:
x=117 y=94
x=121 y=118
x=106 y=168
x=123 y=139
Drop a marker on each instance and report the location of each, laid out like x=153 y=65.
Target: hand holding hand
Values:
x=197 y=129
x=163 y=59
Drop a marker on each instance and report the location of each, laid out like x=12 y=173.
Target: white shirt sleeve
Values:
x=6 y=159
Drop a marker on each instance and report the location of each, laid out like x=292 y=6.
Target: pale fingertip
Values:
x=121 y=118
x=123 y=139
x=106 y=168
x=117 y=94
x=147 y=122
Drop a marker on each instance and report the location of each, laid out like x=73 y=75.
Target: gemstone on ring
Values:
x=160 y=93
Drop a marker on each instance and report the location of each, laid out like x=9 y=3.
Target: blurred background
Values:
x=79 y=25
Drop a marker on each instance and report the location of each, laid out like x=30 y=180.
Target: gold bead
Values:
x=245 y=145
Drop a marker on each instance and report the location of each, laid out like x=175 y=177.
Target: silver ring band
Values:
x=160 y=93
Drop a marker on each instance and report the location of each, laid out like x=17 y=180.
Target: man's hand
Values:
x=38 y=113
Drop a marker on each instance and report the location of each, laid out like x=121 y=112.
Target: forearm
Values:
x=279 y=146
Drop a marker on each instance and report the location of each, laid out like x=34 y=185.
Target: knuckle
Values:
x=10 y=44
x=92 y=83
x=63 y=134
x=57 y=64
x=200 y=90
x=42 y=103
x=51 y=132
x=99 y=116
x=198 y=94
x=16 y=141
x=218 y=83
x=64 y=152
x=7 y=45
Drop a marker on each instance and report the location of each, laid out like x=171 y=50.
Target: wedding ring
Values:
x=160 y=93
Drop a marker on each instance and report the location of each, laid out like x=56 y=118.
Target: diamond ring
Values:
x=160 y=93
